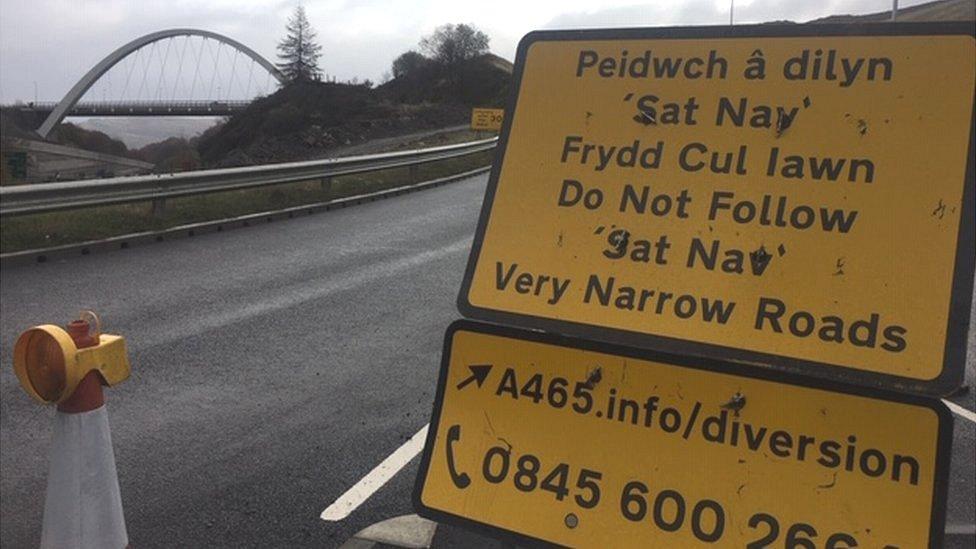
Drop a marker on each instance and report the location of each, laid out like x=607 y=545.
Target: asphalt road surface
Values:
x=273 y=368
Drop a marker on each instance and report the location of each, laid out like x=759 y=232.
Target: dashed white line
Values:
x=362 y=490
x=959 y=410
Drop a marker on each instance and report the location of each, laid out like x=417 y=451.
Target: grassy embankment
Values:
x=57 y=228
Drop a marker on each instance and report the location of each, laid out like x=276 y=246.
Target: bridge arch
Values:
x=87 y=81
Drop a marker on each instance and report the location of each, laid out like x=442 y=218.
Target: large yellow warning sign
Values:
x=577 y=444
x=795 y=201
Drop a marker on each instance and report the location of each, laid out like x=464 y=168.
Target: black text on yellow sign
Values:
x=586 y=445
x=487 y=119
x=795 y=197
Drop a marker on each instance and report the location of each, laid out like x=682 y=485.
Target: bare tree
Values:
x=452 y=44
x=298 y=51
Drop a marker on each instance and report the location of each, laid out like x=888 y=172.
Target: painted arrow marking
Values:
x=479 y=373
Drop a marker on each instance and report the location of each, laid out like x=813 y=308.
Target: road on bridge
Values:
x=273 y=368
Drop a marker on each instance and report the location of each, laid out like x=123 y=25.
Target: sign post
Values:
x=798 y=197
x=585 y=444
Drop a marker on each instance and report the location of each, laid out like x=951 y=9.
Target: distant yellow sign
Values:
x=802 y=202
x=487 y=119
x=585 y=445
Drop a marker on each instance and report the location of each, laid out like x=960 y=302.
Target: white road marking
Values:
x=967 y=414
x=358 y=494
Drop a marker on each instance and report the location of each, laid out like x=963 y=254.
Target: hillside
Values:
x=72 y=135
x=169 y=155
x=307 y=119
x=939 y=10
x=14 y=124
x=482 y=82
x=137 y=132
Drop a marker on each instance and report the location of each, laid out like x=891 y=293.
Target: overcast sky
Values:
x=52 y=43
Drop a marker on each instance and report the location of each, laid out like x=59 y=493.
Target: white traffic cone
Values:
x=82 y=505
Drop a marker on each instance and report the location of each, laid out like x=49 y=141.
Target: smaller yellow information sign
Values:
x=584 y=444
x=487 y=119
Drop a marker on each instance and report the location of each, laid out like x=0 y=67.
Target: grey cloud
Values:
x=707 y=12
x=53 y=42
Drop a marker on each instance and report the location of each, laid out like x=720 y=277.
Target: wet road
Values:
x=273 y=367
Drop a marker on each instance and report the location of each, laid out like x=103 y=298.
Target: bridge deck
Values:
x=141 y=108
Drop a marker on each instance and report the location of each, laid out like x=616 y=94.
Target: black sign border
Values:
x=954 y=357
x=943 y=443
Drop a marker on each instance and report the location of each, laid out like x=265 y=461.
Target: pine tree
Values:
x=298 y=51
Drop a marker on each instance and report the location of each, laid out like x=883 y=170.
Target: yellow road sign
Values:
x=587 y=445
x=797 y=197
x=487 y=119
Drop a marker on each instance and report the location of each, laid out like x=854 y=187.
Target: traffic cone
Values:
x=82 y=505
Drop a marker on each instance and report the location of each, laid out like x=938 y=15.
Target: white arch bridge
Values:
x=158 y=89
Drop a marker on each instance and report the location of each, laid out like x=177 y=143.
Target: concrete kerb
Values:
x=414 y=532
x=960 y=536
x=41 y=255
x=407 y=531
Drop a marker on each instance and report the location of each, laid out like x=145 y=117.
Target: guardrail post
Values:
x=158 y=207
x=414 y=173
x=326 y=183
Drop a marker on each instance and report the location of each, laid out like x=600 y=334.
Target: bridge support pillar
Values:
x=158 y=207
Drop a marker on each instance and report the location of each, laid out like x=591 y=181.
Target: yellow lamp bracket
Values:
x=49 y=365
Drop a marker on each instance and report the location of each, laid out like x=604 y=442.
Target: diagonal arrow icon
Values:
x=479 y=373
